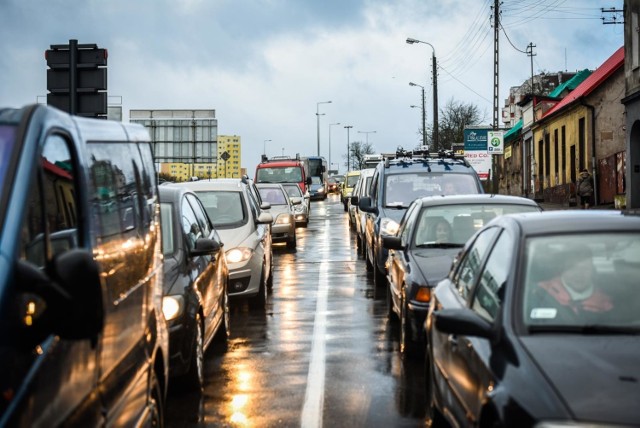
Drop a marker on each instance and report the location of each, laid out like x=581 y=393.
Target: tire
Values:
x=407 y=346
x=224 y=331
x=292 y=243
x=345 y=206
x=367 y=262
x=156 y=402
x=193 y=379
x=259 y=301
x=270 y=277
x=391 y=315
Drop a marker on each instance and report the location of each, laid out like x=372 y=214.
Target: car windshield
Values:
x=273 y=195
x=316 y=180
x=402 y=189
x=454 y=224
x=585 y=283
x=282 y=174
x=225 y=208
x=293 y=190
x=352 y=180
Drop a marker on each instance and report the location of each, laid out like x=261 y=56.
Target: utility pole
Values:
x=530 y=54
x=348 y=127
x=496 y=75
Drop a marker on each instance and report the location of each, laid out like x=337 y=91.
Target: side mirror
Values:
x=206 y=246
x=463 y=322
x=392 y=242
x=296 y=200
x=265 y=206
x=365 y=205
x=264 y=218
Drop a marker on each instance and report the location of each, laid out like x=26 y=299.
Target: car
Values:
x=195 y=301
x=350 y=180
x=245 y=231
x=396 y=183
x=283 y=227
x=361 y=189
x=537 y=309
x=84 y=339
x=317 y=189
x=301 y=210
x=431 y=233
x=333 y=186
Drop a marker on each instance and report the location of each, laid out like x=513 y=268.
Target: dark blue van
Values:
x=83 y=339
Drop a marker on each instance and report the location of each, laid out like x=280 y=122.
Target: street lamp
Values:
x=330 y=125
x=424 y=116
x=435 y=90
x=348 y=127
x=318 y=120
x=367 y=135
x=264 y=147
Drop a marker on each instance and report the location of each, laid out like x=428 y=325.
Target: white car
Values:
x=301 y=210
x=283 y=228
x=245 y=232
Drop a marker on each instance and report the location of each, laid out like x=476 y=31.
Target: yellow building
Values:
x=232 y=145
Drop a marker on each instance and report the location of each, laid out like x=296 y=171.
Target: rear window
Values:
x=402 y=189
x=273 y=196
x=225 y=209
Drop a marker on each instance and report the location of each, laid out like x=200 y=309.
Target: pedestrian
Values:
x=584 y=188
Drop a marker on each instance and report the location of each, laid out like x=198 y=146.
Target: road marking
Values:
x=314 y=394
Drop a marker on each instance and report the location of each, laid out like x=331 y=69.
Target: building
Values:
x=185 y=142
x=232 y=145
x=631 y=103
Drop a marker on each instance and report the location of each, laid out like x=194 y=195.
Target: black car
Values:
x=396 y=183
x=431 y=233
x=195 y=301
x=538 y=324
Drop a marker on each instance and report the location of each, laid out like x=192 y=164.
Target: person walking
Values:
x=584 y=188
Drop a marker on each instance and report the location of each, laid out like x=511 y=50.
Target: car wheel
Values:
x=433 y=417
x=407 y=345
x=270 y=277
x=358 y=245
x=367 y=261
x=194 y=378
x=379 y=277
x=259 y=301
x=345 y=206
x=155 y=402
x=291 y=244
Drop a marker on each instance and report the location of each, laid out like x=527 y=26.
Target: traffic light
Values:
x=77 y=79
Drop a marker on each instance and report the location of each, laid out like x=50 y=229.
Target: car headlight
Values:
x=321 y=190
x=388 y=226
x=283 y=219
x=172 y=307
x=237 y=255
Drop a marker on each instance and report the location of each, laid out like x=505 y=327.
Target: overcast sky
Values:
x=263 y=65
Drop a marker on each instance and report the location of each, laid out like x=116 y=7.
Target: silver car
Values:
x=283 y=228
x=301 y=210
x=244 y=230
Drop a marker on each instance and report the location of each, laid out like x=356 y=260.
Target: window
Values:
x=190 y=226
x=488 y=297
x=469 y=267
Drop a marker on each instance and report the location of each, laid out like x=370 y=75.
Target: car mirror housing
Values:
x=206 y=246
x=364 y=204
x=392 y=243
x=265 y=218
x=463 y=322
x=296 y=200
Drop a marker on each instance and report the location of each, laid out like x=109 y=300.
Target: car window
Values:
x=407 y=223
x=225 y=208
x=469 y=267
x=273 y=195
x=50 y=223
x=293 y=190
x=190 y=225
x=489 y=291
x=201 y=215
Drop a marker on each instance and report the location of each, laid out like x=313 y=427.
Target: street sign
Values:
x=496 y=142
x=225 y=156
x=77 y=78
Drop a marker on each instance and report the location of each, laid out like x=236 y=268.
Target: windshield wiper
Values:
x=594 y=329
x=439 y=245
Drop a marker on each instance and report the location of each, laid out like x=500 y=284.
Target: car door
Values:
x=261 y=231
x=446 y=348
x=474 y=353
x=398 y=260
x=46 y=380
x=370 y=221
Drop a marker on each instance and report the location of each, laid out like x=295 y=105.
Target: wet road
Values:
x=323 y=354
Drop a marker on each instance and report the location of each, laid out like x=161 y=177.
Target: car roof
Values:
x=482 y=198
x=172 y=194
x=573 y=221
x=227 y=184
x=367 y=172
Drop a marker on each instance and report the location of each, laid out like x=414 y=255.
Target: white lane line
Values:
x=314 y=395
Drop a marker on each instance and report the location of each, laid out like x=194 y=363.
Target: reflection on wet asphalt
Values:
x=322 y=354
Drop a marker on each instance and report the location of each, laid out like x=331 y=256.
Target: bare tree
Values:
x=453 y=119
x=357 y=150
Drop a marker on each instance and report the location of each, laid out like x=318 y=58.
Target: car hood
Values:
x=434 y=263
x=597 y=377
x=233 y=237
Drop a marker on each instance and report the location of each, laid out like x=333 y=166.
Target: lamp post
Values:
x=348 y=127
x=318 y=120
x=330 y=125
x=424 y=116
x=264 y=147
x=435 y=89
x=367 y=135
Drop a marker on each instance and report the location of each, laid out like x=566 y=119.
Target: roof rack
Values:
x=264 y=158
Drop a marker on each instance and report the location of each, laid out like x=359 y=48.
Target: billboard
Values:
x=476 y=152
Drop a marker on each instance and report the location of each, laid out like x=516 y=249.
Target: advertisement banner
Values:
x=480 y=161
x=475 y=139
x=496 y=142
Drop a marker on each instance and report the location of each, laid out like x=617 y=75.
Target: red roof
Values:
x=589 y=84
